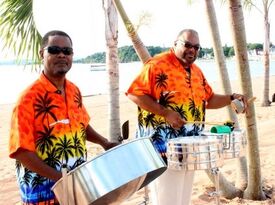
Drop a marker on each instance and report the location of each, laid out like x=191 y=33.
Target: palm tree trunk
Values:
x=141 y=50
x=219 y=54
x=254 y=188
x=111 y=35
x=242 y=175
x=139 y=47
x=227 y=189
x=266 y=101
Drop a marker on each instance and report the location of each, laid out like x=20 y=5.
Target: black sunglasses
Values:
x=189 y=45
x=57 y=50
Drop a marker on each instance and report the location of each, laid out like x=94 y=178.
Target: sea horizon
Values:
x=94 y=80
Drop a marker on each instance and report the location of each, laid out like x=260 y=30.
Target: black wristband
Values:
x=232 y=97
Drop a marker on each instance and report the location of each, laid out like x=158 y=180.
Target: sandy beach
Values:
x=98 y=109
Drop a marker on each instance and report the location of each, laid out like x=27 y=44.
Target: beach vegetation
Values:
x=263 y=7
x=253 y=189
x=18 y=30
x=111 y=36
x=128 y=53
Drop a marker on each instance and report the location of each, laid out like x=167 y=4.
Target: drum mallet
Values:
x=238 y=105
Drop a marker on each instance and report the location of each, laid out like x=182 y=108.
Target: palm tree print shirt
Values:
x=171 y=85
x=53 y=127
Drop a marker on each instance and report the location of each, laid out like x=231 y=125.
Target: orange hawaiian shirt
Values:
x=51 y=126
x=171 y=85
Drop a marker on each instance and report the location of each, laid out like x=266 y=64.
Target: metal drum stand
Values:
x=215 y=171
x=197 y=153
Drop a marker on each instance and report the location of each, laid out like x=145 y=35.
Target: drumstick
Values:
x=206 y=123
x=250 y=100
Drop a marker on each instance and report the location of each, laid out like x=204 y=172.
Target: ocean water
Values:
x=14 y=79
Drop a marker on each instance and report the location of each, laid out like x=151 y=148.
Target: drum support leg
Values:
x=216 y=194
x=146 y=196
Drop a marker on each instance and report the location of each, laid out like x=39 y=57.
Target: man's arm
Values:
x=147 y=103
x=219 y=101
x=34 y=163
x=95 y=137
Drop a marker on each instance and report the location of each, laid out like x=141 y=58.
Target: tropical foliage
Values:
x=18 y=31
x=264 y=7
x=128 y=53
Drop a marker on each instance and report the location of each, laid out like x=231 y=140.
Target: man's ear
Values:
x=41 y=54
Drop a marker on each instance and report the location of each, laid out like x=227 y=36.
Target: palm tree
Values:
x=17 y=28
x=43 y=106
x=79 y=151
x=254 y=189
x=111 y=35
x=218 y=53
x=266 y=60
x=45 y=139
x=150 y=120
x=229 y=191
x=52 y=158
x=161 y=80
x=226 y=187
x=181 y=111
x=64 y=148
x=165 y=99
x=141 y=50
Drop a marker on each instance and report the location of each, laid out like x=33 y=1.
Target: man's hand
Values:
x=241 y=98
x=174 y=119
x=109 y=145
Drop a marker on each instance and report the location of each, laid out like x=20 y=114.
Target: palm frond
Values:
x=18 y=30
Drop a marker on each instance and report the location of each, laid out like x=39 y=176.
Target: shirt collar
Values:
x=47 y=84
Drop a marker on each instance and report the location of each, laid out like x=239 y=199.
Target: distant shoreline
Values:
x=250 y=58
x=84 y=76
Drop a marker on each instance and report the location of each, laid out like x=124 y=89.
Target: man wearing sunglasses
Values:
x=50 y=125
x=170 y=91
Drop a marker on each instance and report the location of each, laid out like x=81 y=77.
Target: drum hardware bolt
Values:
x=214 y=193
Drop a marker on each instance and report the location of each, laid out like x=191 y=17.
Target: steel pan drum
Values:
x=113 y=176
x=194 y=153
x=234 y=144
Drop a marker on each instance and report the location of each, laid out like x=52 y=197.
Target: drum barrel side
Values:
x=195 y=153
x=105 y=177
x=237 y=145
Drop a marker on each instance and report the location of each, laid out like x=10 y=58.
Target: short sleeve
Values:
x=22 y=130
x=142 y=83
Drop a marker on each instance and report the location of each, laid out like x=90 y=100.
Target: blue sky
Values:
x=84 y=21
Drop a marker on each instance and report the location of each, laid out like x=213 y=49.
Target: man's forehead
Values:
x=59 y=38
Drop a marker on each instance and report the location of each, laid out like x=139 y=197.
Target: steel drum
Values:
x=234 y=144
x=113 y=176
x=195 y=153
